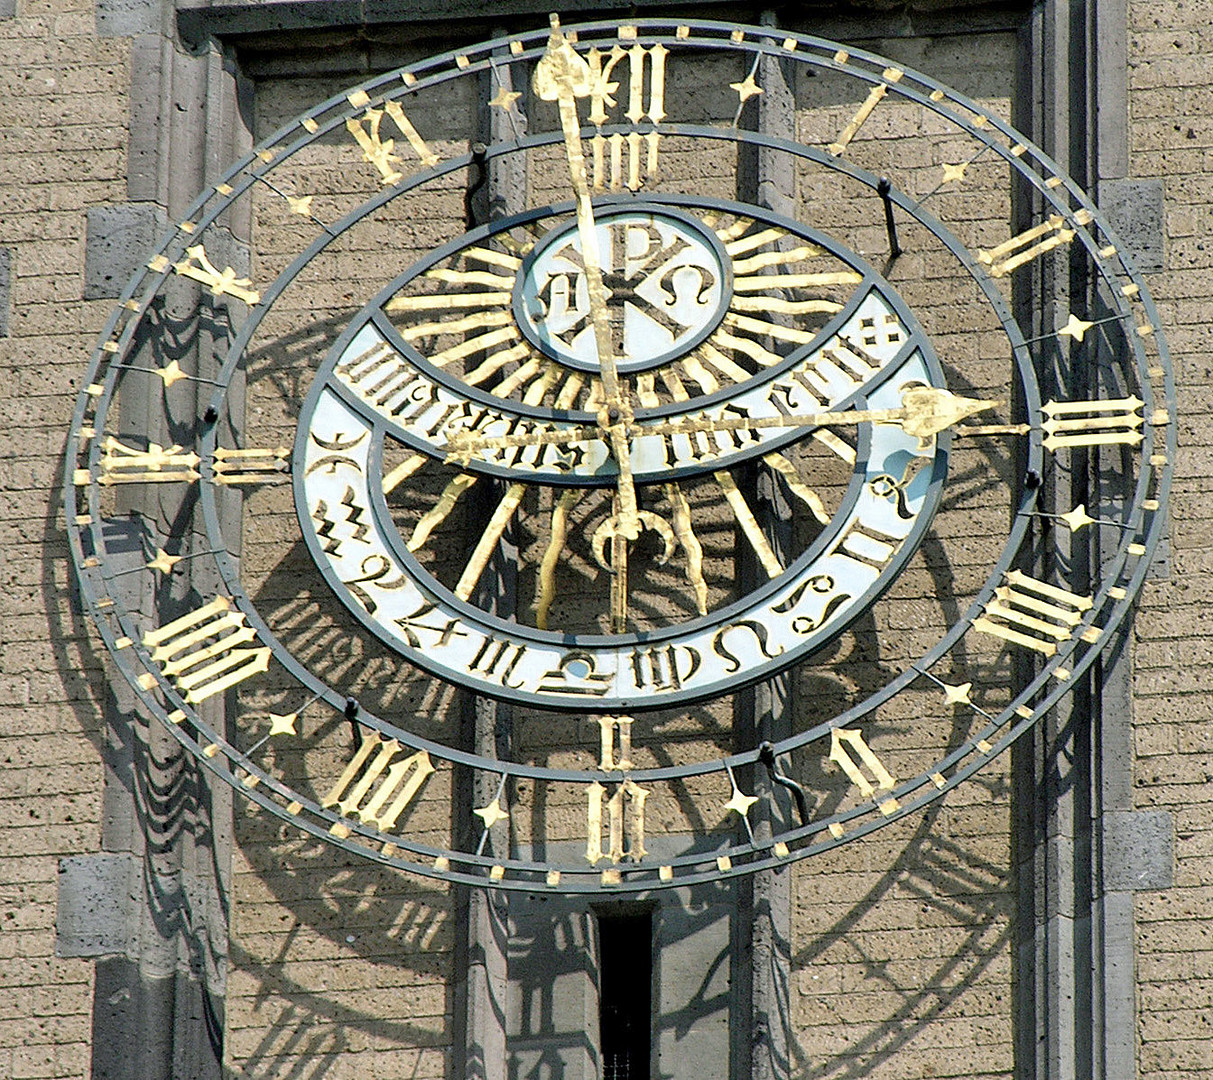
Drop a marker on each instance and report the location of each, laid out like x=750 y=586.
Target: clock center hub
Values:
x=664 y=275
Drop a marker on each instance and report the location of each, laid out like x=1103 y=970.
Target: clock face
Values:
x=616 y=449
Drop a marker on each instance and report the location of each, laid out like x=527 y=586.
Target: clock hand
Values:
x=563 y=76
x=925 y=411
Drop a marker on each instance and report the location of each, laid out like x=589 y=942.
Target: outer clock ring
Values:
x=1123 y=575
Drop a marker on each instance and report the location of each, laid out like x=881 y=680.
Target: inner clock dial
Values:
x=701 y=299
x=667 y=279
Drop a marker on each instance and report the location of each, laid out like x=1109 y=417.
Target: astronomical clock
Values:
x=629 y=441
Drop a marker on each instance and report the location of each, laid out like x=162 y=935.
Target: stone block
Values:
x=1138 y=849
x=126 y=18
x=94 y=902
x=1135 y=210
x=119 y=240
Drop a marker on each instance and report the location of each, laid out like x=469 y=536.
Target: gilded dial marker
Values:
x=685 y=531
x=489 y=539
x=401 y=783
x=746 y=89
x=625 y=822
x=122 y=464
x=504 y=99
x=379 y=151
x=1030 y=244
x=250 y=465
x=875 y=96
x=198 y=267
x=1032 y=613
x=1113 y=422
x=551 y=556
x=203 y=652
x=844 y=742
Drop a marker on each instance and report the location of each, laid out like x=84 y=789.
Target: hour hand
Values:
x=925 y=412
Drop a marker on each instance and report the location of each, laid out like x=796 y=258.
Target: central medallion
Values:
x=667 y=282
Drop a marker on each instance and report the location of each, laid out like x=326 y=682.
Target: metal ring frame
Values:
x=1148 y=372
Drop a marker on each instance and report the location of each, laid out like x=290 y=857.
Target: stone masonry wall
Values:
x=64 y=101
x=1171 y=138
x=63 y=137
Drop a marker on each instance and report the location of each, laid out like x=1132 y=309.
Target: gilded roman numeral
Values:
x=378 y=151
x=1030 y=244
x=250 y=466
x=640 y=150
x=375 y=795
x=122 y=464
x=202 y=652
x=874 y=98
x=619 y=829
x=198 y=267
x=1092 y=423
x=1032 y=613
x=609 y=726
x=844 y=742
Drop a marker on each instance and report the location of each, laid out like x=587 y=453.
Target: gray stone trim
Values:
x=126 y=18
x=118 y=239
x=1135 y=210
x=93 y=917
x=8 y=9
x=1138 y=850
x=254 y=20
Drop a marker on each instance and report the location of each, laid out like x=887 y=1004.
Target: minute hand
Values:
x=563 y=76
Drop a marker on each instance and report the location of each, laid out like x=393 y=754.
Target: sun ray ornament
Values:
x=538 y=459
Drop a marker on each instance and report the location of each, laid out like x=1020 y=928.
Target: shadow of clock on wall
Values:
x=900 y=938
x=332 y=958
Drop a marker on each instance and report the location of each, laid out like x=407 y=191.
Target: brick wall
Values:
x=335 y=964
x=63 y=133
x=1171 y=138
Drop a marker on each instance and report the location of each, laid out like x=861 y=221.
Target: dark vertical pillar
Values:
x=166 y=835
x=1052 y=769
x=1079 y=847
x=762 y=1023
x=496 y=189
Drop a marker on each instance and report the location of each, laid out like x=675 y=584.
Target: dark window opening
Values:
x=625 y=1013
